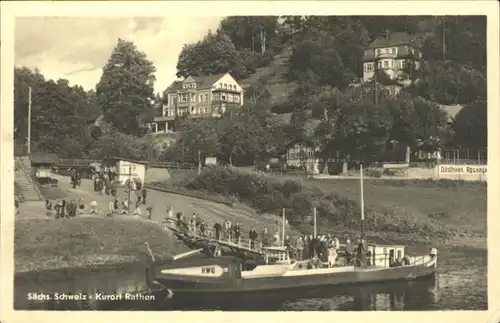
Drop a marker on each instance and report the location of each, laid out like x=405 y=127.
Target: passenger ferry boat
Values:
x=228 y=275
x=225 y=274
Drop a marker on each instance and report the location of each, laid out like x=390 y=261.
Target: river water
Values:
x=461 y=283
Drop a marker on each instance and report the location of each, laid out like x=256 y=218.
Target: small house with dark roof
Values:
x=126 y=169
x=198 y=97
x=302 y=153
x=42 y=164
x=391 y=54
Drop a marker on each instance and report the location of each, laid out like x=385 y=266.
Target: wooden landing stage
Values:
x=215 y=246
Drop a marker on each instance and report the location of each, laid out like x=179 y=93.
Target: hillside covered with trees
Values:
x=304 y=68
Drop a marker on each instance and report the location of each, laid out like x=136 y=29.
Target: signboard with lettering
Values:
x=463 y=169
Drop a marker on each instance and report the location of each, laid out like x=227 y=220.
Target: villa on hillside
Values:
x=391 y=53
x=198 y=97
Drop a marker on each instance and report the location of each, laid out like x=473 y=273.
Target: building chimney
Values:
x=387 y=33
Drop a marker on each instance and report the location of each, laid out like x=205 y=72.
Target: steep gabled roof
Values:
x=451 y=111
x=395 y=39
x=174 y=87
x=202 y=82
x=206 y=81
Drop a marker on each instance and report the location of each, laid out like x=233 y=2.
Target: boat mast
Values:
x=314 y=219
x=362 y=204
x=283 y=229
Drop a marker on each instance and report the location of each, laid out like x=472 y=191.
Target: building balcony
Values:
x=386 y=55
x=217 y=90
x=163 y=118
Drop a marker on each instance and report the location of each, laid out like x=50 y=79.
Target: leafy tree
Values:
x=215 y=54
x=126 y=88
x=244 y=31
x=459 y=32
x=198 y=138
x=451 y=83
x=23 y=79
x=360 y=131
x=56 y=126
x=416 y=121
x=320 y=56
x=114 y=143
x=471 y=126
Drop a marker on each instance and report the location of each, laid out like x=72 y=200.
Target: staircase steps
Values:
x=25 y=184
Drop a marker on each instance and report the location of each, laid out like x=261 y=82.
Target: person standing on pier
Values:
x=217 y=229
x=349 y=250
x=300 y=247
x=253 y=236
x=361 y=253
x=202 y=228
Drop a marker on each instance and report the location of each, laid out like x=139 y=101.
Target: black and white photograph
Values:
x=207 y=161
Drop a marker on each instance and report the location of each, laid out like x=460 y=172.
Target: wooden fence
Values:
x=68 y=163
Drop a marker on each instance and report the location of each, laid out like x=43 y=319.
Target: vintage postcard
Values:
x=250 y=157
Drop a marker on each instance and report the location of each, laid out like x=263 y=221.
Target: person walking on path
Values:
x=144 y=195
x=111 y=208
x=93 y=207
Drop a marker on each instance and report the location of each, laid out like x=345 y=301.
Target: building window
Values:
x=403 y=64
x=216 y=96
x=225 y=86
x=220 y=85
x=368 y=67
x=206 y=97
x=201 y=98
x=379 y=64
x=237 y=98
x=386 y=64
x=223 y=97
x=377 y=52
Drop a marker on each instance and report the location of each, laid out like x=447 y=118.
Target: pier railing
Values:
x=224 y=239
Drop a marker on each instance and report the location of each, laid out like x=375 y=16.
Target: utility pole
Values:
x=362 y=203
x=253 y=44
x=375 y=90
x=444 y=39
x=129 y=186
x=262 y=41
x=283 y=221
x=28 y=143
x=199 y=162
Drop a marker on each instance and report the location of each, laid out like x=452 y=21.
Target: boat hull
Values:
x=304 y=279
x=273 y=299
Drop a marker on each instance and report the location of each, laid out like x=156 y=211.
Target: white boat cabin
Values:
x=277 y=255
x=384 y=255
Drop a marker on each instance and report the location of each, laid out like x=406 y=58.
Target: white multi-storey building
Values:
x=391 y=53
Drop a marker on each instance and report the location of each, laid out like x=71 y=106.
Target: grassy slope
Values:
x=47 y=243
x=460 y=207
x=273 y=76
x=463 y=206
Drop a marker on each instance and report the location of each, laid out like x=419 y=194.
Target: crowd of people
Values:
x=321 y=250
x=222 y=231
x=104 y=183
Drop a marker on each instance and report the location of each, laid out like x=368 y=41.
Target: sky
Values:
x=77 y=48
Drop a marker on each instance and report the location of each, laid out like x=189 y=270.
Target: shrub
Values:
x=270 y=195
